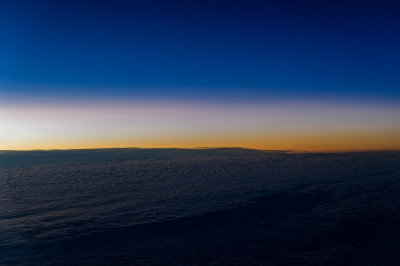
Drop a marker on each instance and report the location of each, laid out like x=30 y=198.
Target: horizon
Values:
x=204 y=148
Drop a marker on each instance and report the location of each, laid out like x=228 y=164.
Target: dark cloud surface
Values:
x=172 y=206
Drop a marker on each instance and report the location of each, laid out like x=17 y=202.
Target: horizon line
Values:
x=208 y=148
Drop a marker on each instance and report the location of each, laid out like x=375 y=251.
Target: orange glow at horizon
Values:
x=321 y=144
x=278 y=126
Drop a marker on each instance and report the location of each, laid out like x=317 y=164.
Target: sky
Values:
x=297 y=75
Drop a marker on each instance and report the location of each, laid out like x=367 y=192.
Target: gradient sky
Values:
x=303 y=75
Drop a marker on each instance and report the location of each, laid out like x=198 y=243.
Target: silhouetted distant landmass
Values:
x=78 y=155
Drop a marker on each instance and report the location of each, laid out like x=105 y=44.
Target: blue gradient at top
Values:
x=195 y=48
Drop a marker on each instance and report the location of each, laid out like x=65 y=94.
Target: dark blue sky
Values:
x=201 y=48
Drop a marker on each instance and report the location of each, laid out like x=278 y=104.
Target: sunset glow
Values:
x=299 y=126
